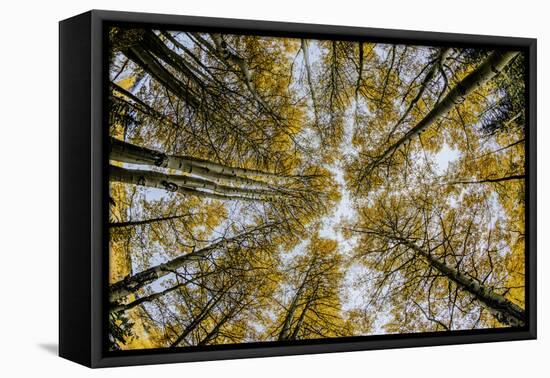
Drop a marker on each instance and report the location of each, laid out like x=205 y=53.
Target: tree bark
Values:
x=215 y=331
x=131 y=283
x=309 y=76
x=199 y=318
x=149 y=63
x=230 y=58
x=119 y=307
x=130 y=153
x=491 y=67
x=154 y=44
x=503 y=309
x=443 y=54
x=140 y=105
x=207 y=74
x=300 y=321
x=188 y=185
x=287 y=325
x=223 y=169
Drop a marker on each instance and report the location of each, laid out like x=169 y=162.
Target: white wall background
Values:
x=29 y=188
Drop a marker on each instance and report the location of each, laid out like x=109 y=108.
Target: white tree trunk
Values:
x=503 y=309
x=188 y=185
x=487 y=70
x=129 y=153
x=131 y=283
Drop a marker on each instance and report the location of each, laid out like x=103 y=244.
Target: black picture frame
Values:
x=84 y=190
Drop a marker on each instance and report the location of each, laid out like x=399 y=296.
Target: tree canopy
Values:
x=277 y=189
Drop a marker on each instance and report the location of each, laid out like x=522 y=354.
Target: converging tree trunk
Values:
x=491 y=67
x=503 y=309
x=309 y=75
x=205 y=312
x=228 y=315
x=119 y=307
x=436 y=65
x=150 y=64
x=189 y=185
x=131 y=283
x=130 y=153
x=230 y=58
x=286 y=330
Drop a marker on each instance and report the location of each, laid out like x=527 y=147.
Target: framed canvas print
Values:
x=234 y=188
